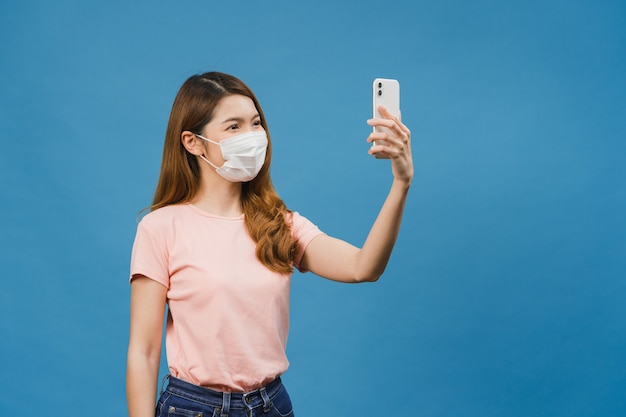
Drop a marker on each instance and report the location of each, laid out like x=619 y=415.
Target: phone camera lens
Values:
x=380 y=85
x=380 y=92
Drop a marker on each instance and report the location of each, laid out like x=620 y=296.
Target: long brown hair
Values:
x=266 y=216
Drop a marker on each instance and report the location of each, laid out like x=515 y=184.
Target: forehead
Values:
x=234 y=105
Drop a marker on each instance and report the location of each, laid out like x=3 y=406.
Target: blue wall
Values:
x=505 y=293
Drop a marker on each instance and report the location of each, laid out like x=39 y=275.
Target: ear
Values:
x=191 y=142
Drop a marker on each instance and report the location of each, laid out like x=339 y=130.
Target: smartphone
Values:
x=386 y=92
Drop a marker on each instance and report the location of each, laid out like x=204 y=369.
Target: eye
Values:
x=234 y=126
x=257 y=123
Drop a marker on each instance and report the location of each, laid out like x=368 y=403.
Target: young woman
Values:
x=218 y=248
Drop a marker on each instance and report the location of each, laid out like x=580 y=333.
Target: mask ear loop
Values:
x=208 y=162
x=202 y=156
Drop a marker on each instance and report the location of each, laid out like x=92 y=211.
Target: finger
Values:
x=384 y=152
x=390 y=147
x=384 y=112
x=378 y=136
x=378 y=152
x=388 y=115
x=382 y=122
x=396 y=128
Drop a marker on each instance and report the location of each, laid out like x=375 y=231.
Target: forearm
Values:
x=141 y=384
x=376 y=251
x=338 y=260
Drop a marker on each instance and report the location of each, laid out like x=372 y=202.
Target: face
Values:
x=233 y=115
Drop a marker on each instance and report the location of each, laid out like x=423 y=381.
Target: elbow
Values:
x=373 y=278
x=149 y=355
x=364 y=270
x=369 y=276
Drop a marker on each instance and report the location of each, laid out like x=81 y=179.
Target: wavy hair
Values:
x=266 y=215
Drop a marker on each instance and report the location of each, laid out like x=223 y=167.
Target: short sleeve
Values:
x=149 y=255
x=303 y=230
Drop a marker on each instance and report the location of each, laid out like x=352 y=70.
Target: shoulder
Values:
x=300 y=225
x=163 y=217
x=294 y=218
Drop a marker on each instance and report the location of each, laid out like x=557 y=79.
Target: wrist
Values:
x=402 y=184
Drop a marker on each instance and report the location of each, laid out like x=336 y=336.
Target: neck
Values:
x=218 y=196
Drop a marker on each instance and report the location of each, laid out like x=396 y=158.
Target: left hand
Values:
x=393 y=143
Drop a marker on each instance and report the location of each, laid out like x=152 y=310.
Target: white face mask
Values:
x=243 y=155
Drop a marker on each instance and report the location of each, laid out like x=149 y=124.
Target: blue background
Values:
x=505 y=295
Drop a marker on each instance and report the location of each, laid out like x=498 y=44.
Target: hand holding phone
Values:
x=391 y=139
x=385 y=92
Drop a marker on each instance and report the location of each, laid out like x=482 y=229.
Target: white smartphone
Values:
x=386 y=92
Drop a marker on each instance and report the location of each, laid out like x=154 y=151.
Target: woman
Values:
x=218 y=247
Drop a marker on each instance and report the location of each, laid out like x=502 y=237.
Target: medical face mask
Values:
x=243 y=155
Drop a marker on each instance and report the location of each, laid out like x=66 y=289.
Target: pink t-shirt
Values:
x=228 y=313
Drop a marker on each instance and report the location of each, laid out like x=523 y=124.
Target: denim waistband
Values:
x=252 y=399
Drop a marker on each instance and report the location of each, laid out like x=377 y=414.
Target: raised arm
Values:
x=338 y=260
x=147 y=308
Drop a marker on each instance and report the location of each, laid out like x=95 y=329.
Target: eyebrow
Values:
x=240 y=119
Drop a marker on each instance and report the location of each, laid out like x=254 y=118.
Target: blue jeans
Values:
x=182 y=399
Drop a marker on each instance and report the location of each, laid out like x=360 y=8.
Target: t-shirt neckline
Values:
x=205 y=213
